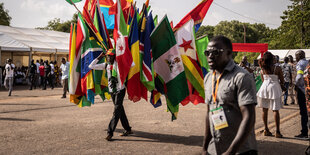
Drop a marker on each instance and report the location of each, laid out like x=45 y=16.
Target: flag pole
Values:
x=202 y=36
x=134 y=7
x=97 y=38
x=129 y=12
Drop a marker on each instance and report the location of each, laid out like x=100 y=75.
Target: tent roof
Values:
x=7 y=43
x=286 y=52
x=24 y=39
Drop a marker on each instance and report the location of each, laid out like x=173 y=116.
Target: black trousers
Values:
x=32 y=79
x=119 y=112
x=301 y=98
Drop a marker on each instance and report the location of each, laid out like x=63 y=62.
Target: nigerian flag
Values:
x=168 y=62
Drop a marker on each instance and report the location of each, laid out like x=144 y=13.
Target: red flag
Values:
x=125 y=6
x=120 y=35
x=197 y=14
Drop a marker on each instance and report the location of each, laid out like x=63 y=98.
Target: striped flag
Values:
x=185 y=37
x=147 y=69
x=74 y=74
x=89 y=51
x=135 y=88
x=168 y=63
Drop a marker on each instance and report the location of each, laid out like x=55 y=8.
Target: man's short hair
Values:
x=63 y=59
x=286 y=59
x=301 y=53
x=226 y=42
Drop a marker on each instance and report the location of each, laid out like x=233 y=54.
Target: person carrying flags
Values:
x=117 y=91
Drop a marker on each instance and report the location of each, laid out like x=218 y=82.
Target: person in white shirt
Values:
x=9 y=74
x=117 y=91
x=37 y=76
x=52 y=75
x=64 y=67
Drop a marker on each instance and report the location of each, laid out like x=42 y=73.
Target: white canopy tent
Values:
x=28 y=41
x=287 y=52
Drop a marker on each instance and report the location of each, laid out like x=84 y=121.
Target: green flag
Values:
x=156 y=20
x=258 y=82
x=201 y=45
x=73 y=1
x=168 y=62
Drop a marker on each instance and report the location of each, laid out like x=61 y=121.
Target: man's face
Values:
x=297 y=56
x=217 y=56
x=63 y=61
x=244 y=59
x=111 y=58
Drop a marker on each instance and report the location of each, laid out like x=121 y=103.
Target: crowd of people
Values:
x=39 y=74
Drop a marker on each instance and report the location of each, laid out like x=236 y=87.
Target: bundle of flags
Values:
x=163 y=60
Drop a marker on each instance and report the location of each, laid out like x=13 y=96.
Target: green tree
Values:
x=5 y=18
x=57 y=25
x=294 y=31
x=205 y=30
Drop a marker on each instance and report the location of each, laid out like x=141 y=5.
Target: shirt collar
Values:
x=230 y=65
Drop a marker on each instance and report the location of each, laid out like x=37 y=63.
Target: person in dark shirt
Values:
x=31 y=73
x=47 y=70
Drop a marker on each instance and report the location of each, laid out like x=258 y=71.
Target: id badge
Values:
x=218 y=118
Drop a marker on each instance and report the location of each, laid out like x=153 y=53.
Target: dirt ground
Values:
x=39 y=122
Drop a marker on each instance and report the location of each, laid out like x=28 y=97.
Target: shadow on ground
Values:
x=264 y=147
x=13 y=104
x=15 y=119
x=163 y=138
x=34 y=109
x=276 y=148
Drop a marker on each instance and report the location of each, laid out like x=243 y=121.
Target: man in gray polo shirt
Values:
x=231 y=98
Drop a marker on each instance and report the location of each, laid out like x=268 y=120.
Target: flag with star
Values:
x=120 y=35
x=185 y=37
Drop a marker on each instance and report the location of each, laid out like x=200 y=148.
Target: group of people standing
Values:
x=49 y=73
x=40 y=74
x=283 y=79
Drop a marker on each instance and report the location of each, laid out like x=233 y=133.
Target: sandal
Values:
x=267 y=133
x=278 y=135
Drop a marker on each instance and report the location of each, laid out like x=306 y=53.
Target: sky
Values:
x=37 y=13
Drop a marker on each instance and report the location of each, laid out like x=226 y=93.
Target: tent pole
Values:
x=56 y=55
x=30 y=56
x=0 y=58
x=12 y=56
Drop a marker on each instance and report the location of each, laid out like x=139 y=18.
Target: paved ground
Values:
x=39 y=122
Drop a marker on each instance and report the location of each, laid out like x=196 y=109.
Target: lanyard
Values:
x=214 y=92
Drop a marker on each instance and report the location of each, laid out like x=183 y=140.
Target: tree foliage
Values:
x=294 y=31
x=234 y=30
x=5 y=18
x=57 y=25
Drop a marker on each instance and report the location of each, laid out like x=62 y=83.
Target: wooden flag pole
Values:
x=97 y=38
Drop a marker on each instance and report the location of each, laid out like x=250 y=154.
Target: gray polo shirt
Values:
x=236 y=88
